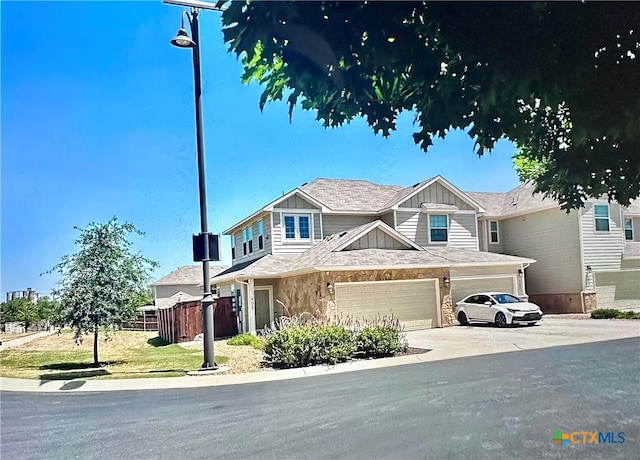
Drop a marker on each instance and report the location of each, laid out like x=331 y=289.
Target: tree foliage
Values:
x=102 y=282
x=19 y=310
x=559 y=79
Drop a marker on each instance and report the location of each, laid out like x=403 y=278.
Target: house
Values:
x=585 y=258
x=352 y=247
x=181 y=285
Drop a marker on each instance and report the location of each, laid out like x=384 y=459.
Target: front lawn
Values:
x=126 y=355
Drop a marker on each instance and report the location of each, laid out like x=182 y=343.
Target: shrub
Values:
x=630 y=315
x=304 y=345
x=380 y=341
x=246 y=339
x=605 y=313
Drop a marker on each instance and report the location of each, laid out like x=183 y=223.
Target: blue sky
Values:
x=98 y=121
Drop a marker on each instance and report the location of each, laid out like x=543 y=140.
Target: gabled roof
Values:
x=351 y=195
x=407 y=192
x=188 y=274
x=519 y=200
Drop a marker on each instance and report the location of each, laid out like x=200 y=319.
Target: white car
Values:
x=498 y=308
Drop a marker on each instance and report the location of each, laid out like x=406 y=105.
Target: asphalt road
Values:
x=487 y=407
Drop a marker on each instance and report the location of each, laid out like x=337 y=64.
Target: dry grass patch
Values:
x=6 y=336
x=242 y=358
x=126 y=354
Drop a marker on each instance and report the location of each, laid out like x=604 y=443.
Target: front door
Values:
x=263 y=308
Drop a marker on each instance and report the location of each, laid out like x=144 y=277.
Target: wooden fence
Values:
x=183 y=321
x=144 y=321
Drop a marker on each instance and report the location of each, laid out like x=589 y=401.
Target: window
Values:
x=250 y=238
x=601 y=213
x=244 y=241
x=628 y=228
x=233 y=246
x=438 y=227
x=297 y=227
x=260 y=233
x=494 y=236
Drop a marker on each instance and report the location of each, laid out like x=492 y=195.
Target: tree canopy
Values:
x=559 y=79
x=101 y=284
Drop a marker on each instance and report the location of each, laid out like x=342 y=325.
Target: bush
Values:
x=379 y=341
x=305 y=345
x=607 y=313
x=246 y=339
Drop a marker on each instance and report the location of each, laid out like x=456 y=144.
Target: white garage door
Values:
x=462 y=287
x=414 y=303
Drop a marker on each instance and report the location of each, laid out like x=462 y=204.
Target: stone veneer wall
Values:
x=309 y=292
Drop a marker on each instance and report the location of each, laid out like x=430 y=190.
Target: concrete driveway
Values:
x=458 y=341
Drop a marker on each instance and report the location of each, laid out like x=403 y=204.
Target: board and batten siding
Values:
x=602 y=250
x=266 y=239
x=551 y=237
x=377 y=239
x=282 y=246
x=336 y=223
x=462 y=231
x=435 y=193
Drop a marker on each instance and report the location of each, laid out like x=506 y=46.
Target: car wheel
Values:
x=462 y=319
x=501 y=320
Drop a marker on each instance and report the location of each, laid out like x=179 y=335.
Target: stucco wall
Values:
x=309 y=292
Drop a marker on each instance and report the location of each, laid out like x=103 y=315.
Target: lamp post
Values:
x=203 y=250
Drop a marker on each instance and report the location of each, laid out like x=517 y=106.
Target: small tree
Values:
x=101 y=282
x=19 y=311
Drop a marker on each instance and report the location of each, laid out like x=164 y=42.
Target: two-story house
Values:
x=585 y=258
x=352 y=247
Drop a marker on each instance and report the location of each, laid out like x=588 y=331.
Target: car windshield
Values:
x=506 y=298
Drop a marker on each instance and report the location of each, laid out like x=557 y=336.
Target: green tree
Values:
x=48 y=310
x=19 y=311
x=100 y=283
x=559 y=79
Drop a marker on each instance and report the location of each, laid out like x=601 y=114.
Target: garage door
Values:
x=414 y=303
x=462 y=287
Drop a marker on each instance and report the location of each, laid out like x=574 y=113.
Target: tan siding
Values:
x=460 y=288
x=462 y=231
x=377 y=239
x=486 y=270
x=339 y=223
x=552 y=238
x=602 y=250
x=413 y=225
x=295 y=202
x=388 y=219
x=435 y=193
x=280 y=246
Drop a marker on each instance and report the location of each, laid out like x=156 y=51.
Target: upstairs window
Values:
x=244 y=241
x=260 y=235
x=250 y=238
x=296 y=227
x=494 y=234
x=233 y=246
x=438 y=228
x=628 y=228
x=601 y=213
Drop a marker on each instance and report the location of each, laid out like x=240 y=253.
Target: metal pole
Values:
x=207 y=299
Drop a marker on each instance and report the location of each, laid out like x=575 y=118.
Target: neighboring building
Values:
x=29 y=294
x=585 y=258
x=181 y=285
x=356 y=248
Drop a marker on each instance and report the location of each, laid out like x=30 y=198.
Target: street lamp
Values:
x=205 y=244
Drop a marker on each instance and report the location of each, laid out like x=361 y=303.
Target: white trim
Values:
x=296 y=227
x=363 y=283
x=251 y=310
x=477 y=235
x=355 y=212
x=429 y=229
x=624 y=229
x=305 y=196
x=321 y=228
x=438 y=304
x=497 y=231
x=385 y=228
x=395 y=220
x=583 y=273
x=595 y=219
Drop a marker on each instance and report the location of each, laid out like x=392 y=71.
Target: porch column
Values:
x=251 y=307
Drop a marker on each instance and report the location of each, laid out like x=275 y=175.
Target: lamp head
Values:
x=182 y=39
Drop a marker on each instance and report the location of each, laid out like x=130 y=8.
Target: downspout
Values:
x=581 y=251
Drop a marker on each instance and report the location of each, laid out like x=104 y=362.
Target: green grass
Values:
x=608 y=313
x=140 y=357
